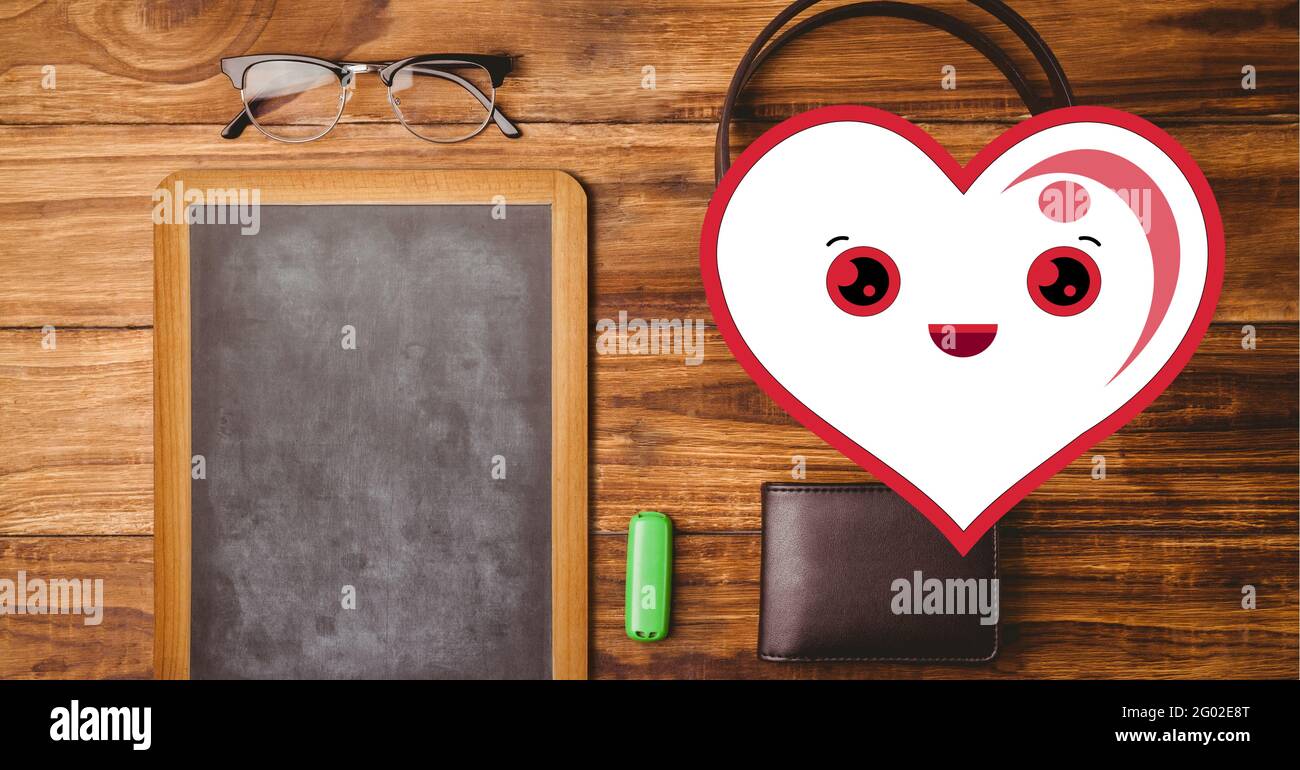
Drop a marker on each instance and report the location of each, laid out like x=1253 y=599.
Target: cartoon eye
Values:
x=862 y=281
x=1064 y=281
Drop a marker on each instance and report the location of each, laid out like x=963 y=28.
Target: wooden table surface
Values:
x=1136 y=575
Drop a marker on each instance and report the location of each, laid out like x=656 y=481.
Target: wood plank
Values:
x=77 y=427
x=63 y=646
x=1073 y=605
x=171 y=430
x=570 y=439
x=1118 y=604
x=583 y=60
x=77 y=211
x=1216 y=452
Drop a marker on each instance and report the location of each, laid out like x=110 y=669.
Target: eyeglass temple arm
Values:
x=236 y=126
x=242 y=121
x=506 y=125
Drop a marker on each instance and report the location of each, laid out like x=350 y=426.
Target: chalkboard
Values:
x=377 y=390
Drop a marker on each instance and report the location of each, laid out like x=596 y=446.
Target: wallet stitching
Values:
x=855 y=489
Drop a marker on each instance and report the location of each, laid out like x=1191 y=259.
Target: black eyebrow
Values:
x=1089 y=238
x=841 y=238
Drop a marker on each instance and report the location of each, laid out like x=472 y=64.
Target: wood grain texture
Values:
x=172 y=430
x=1217 y=450
x=75 y=432
x=569 y=434
x=63 y=646
x=1136 y=575
x=1114 y=604
x=1104 y=604
x=154 y=62
x=78 y=208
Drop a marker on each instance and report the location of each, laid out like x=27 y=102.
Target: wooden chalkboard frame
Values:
x=172 y=451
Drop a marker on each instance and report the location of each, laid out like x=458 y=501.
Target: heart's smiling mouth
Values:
x=963 y=340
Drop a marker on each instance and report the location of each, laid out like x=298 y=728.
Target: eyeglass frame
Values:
x=498 y=66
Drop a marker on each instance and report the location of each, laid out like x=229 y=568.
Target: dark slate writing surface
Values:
x=372 y=467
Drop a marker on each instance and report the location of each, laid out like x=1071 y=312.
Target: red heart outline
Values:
x=963 y=177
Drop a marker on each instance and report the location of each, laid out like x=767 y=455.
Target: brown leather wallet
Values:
x=853 y=572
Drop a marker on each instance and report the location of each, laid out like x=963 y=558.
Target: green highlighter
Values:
x=649 y=576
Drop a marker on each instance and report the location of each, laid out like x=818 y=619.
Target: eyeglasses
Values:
x=443 y=98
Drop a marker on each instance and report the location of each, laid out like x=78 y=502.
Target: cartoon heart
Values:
x=963 y=332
